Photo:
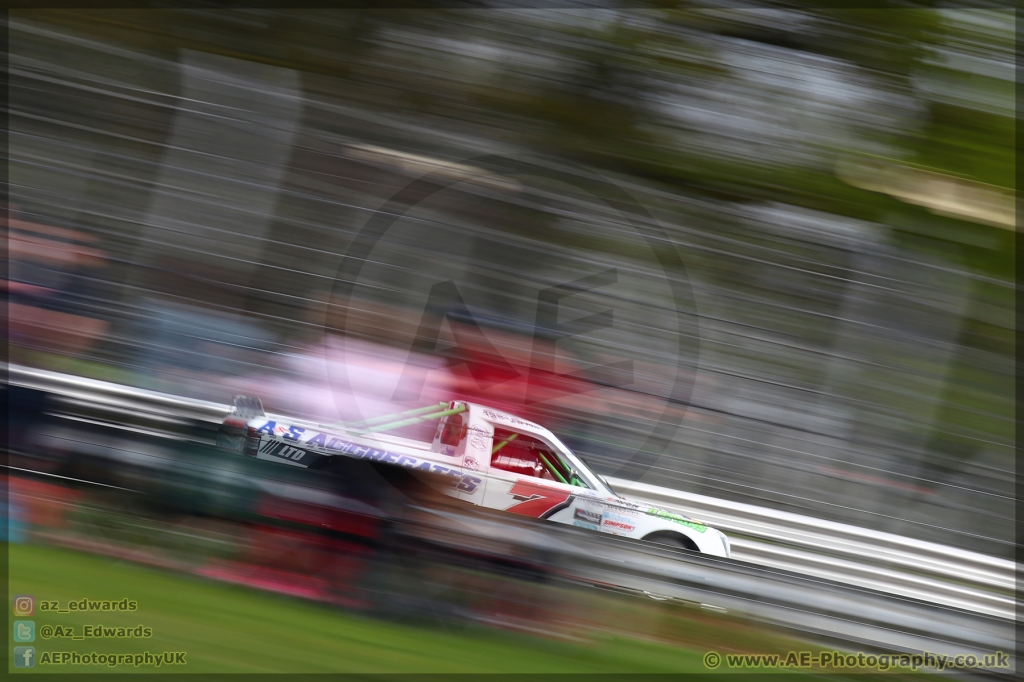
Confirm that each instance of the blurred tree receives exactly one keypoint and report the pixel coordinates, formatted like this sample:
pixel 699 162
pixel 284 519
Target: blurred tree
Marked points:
pixel 737 105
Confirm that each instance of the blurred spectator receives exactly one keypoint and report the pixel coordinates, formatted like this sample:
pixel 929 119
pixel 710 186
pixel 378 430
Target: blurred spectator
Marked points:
pixel 352 372
pixel 182 347
pixel 51 286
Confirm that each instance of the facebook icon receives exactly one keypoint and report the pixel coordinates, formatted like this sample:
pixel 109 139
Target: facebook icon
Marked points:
pixel 24 656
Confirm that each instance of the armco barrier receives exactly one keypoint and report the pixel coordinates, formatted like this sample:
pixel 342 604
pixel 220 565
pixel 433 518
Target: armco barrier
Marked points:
pixel 848 554
pixel 845 553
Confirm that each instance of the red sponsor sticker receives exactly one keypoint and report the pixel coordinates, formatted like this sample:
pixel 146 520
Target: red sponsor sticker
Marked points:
pixel 618 524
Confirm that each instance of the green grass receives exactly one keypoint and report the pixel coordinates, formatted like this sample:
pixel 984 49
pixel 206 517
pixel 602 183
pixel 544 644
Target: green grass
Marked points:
pixel 226 628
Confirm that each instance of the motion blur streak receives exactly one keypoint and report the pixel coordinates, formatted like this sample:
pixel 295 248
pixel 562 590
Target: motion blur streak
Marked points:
pixel 185 185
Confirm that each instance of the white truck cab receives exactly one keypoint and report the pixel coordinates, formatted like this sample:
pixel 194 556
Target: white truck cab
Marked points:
pixel 494 460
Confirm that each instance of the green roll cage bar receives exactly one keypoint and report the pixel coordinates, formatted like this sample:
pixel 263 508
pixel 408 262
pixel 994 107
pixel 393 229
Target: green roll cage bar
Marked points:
pixel 400 419
pixel 439 411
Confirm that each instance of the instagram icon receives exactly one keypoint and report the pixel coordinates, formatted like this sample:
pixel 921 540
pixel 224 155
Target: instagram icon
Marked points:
pixel 24 605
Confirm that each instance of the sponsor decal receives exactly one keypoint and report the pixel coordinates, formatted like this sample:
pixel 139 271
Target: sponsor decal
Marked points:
pixel 588 526
pixel 536 500
pixel 268 427
pixel 677 518
pixel 478 442
pixel 335 445
pixel 624 511
pixel 470 463
pixel 614 515
pixel 615 522
pixel 587 516
pixel 272 428
pixel 468 484
pixel 618 526
pixel 509 419
pixel 276 448
pixel 318 440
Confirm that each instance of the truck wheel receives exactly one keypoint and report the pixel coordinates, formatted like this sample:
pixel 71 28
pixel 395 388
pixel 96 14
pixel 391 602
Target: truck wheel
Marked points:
pixel 669 540
pixel 672 540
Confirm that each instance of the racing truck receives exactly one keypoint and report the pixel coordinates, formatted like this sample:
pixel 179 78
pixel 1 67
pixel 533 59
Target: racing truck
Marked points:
pixel 479 455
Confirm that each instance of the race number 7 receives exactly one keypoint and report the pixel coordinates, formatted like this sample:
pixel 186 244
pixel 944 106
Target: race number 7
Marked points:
pixel 538 501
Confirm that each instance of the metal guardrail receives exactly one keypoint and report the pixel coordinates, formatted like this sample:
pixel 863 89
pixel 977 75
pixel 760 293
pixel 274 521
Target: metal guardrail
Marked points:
pixel 117 397
pixel 849 554
pixel 773 539
pixel 829 612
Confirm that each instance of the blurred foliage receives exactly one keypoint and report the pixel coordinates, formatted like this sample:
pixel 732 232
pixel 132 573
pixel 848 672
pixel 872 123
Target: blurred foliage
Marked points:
pixel 583 86
pixel 226 628
pixel 593 102
pixel 730 108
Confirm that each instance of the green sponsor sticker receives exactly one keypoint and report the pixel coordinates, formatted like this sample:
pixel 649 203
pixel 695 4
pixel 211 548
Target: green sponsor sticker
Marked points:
pixel 676 518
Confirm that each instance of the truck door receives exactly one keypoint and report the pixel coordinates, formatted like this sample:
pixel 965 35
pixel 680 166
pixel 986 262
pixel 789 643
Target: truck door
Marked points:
pixel 528 477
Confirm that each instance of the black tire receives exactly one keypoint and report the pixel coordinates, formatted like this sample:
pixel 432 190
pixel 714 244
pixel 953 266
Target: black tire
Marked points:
pixel 674 540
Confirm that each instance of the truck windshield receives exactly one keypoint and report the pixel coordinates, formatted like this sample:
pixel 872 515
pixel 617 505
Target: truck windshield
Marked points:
pixel 585 470
pixel 523 454
pixel 590 472
pixel 606 484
